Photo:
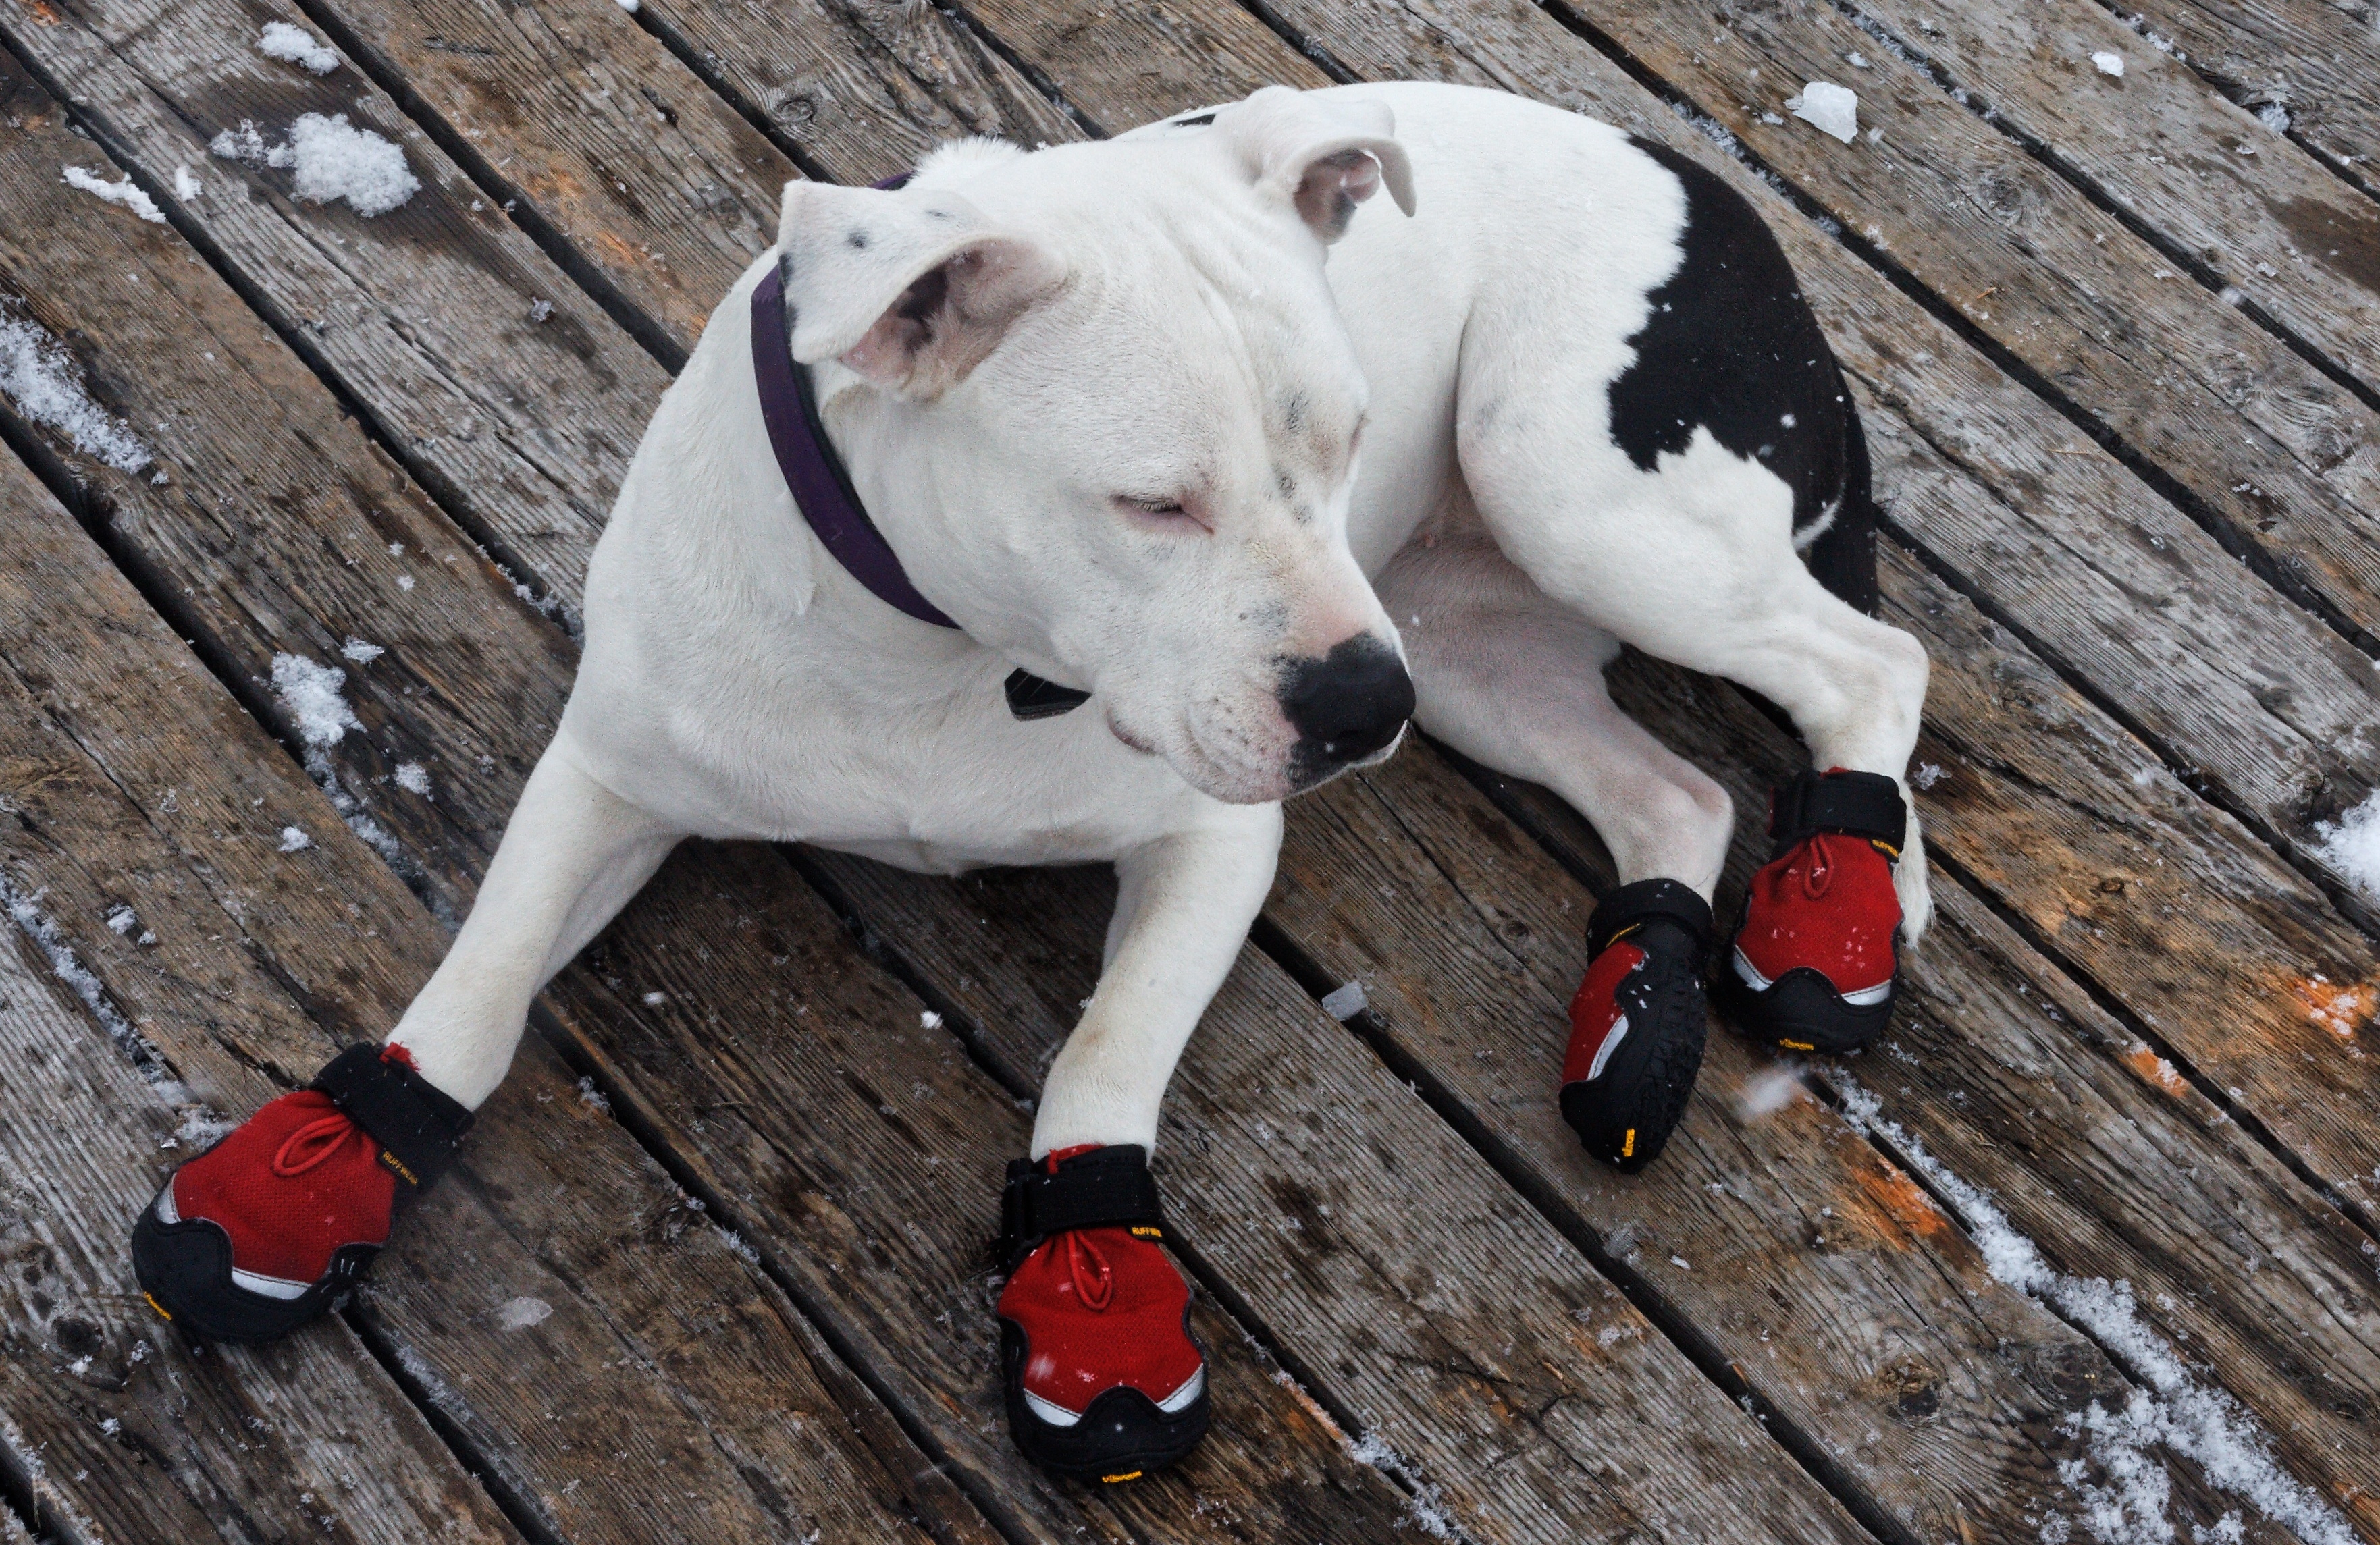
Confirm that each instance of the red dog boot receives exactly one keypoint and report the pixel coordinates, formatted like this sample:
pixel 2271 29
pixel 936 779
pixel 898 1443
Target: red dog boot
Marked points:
pixel 264 1230
pixel 1102 1380
pixel 1815 960
pixel 1636 1026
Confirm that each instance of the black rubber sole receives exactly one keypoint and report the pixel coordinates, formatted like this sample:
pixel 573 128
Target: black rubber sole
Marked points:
pixel 1122 1435
pixel 1801 1012
pixel 1625 1116
pixel 185 1268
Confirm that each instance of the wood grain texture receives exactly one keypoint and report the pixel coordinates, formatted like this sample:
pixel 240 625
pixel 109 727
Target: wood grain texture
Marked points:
pixel 2287 460
pixel 1919 1376
pixel 1467 1335
pixel 275 527
pixel 264 960
pixel 428 315
pixel 864 87
pixel 125 1429
pixel 2318 60
pixel 581 114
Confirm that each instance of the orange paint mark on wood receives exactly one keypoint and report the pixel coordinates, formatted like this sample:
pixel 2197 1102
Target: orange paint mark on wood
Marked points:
pixel 2341 1009
pixel 2143 1059
pixel 1904 1201
pixel 620 251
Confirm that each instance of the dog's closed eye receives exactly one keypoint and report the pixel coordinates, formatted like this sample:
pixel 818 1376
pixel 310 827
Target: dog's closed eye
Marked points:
pixel 1161 509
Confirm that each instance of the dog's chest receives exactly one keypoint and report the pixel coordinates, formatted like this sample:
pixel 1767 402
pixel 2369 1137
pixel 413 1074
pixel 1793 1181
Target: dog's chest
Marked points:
pixel 937 781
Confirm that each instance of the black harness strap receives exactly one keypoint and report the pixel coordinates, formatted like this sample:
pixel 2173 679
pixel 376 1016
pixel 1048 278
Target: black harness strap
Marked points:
pixel 418 1129
pixel 1853 803
pixel 1108 1188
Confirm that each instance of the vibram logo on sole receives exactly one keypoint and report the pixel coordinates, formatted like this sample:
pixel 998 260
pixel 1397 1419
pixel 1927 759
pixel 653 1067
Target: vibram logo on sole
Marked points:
pixel 1128 1475
pixel 1797 1045
pixel 163 1312
pixel 1628 1144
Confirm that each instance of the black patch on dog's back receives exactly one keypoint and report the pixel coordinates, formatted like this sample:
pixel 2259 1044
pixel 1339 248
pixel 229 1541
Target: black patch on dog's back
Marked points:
pixel 1731 346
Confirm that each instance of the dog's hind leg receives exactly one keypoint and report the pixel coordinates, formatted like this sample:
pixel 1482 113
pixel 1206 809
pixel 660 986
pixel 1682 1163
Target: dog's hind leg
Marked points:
pixel 1694 564
pixel 269 1227
pixel 1101 1376
pixel 1509 676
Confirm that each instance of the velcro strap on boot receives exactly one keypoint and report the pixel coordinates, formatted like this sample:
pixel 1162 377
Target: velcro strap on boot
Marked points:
pixel 1853 803
pixel 1108 1188
pixel 420 1129
pixel 1623 910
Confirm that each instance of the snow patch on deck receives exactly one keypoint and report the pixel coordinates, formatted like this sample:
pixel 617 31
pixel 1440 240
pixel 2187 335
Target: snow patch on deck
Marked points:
pixel 2177 1412
pixel 39 377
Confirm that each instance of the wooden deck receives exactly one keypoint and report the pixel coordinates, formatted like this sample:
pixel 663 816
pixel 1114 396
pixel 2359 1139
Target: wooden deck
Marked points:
pixel 714 1268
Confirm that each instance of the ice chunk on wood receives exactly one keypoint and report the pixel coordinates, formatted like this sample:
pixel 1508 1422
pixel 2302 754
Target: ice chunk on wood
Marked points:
pixel 1829 108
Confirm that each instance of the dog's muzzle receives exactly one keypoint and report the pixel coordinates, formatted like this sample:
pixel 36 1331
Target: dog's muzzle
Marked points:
pixel 1350 705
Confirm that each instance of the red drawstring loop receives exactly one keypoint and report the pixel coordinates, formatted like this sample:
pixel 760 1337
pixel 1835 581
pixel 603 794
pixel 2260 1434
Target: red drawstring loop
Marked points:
pixel 1096 1289
pixel 1819 875
pixel 317 1140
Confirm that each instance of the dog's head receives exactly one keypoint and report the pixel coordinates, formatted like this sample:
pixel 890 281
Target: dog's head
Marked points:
pixel 1101 400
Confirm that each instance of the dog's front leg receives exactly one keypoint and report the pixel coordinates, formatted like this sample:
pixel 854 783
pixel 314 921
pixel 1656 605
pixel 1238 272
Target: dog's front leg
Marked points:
pixel 572 856
pixel 267 1228
pixel 1184 904
pixel 1101 1377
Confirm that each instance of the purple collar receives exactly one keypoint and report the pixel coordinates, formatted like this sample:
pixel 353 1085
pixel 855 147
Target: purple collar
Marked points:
pixel 822 487
pixel 823 493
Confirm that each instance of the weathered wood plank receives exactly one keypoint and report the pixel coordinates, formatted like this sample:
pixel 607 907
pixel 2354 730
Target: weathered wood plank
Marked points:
pixel 127 1431
pixel 2318 60
pixel 2253 211
pixel 259 953
pixel 1469 942
pixel 1468 1336
pixel 2287 460
pixel 2140 1178
pixel 864 87
pixel 269 497
pixel 578 114
pixel 431 316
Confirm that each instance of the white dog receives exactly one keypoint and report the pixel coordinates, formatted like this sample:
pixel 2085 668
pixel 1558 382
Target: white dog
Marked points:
pixel 1119 429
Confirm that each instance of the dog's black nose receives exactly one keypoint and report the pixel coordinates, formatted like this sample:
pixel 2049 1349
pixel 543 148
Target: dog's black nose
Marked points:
pixel 1346 706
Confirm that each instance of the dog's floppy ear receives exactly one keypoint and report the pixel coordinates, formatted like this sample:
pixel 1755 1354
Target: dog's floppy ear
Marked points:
pixel 912 289
pixel 1322 155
